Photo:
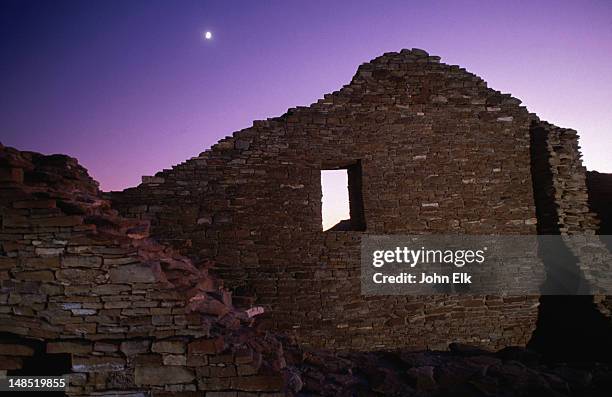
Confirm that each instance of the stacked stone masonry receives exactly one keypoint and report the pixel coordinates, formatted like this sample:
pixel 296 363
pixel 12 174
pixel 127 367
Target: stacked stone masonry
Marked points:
pixel 132 315
pixel 137 309
pixel 439 153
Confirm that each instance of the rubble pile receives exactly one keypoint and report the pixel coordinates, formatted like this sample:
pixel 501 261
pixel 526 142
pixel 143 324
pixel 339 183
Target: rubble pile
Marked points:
pixel 463 371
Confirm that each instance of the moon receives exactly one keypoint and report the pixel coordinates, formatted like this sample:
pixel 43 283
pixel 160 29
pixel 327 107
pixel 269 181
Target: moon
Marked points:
pixel 208 35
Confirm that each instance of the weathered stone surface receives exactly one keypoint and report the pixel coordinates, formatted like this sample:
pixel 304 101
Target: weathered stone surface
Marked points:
pixel 42 275
pixel 44 251
pixel 110 289
pixel 136 273
pixel 82 261
pixel 206 346
pixel 106 347
pixel 69 347
pixel 175 359
pixel 162 375
pixel 78 276
pixel 12 349
pixel 168 346
pixel 152 179
pixel 132 347
pixel 46 262
pixel 97 364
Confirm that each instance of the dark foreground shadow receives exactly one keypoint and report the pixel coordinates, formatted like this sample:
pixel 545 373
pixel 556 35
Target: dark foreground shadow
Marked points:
pixel 39 363
pixel 570 327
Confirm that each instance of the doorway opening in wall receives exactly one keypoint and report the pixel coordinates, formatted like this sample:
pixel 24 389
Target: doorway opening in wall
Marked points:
pixel 342 198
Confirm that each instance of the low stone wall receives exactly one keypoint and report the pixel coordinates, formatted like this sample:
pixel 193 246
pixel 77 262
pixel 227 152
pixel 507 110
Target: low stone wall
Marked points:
pixel 132 316
pixel 564 199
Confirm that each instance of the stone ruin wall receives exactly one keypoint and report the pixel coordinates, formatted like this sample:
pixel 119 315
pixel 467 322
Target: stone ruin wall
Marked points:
pixel 85 292
pixel 557 168
pixel 600 199
pixel 439 152
pixel 85 287
pixel 568 198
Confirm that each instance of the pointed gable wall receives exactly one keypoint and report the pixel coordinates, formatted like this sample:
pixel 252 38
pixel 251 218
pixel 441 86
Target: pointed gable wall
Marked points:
pixel 439 153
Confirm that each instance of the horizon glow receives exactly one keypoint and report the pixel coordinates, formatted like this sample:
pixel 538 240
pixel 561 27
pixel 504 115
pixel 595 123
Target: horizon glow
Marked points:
pixel 335 201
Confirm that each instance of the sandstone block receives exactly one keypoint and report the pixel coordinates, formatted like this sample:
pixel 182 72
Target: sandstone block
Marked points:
pixel 197 360
pixel 242 145
pixel 69 347
pixel 13 349
pixel 120 261
pixel 41 262
pixel 80 328
pixel 152 179
pixel 162 375
pixel 97 364
pixel 268 383
pixel 135 273
pixel 206 346
pixel 132 347
pixel 147 360
pixel 225 145
pixel 214 383
pixel 80 276
pixel 81 261
pixel 106 347
pixel 110 289
pixel 222 372
pixel 168 346
pixel 42 275
pixel 244 370
pixel 77 379
pixel 42 251
pixel 83 312
pixel 174 359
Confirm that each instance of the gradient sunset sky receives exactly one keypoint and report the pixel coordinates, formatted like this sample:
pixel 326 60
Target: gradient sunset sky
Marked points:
pixel 131 87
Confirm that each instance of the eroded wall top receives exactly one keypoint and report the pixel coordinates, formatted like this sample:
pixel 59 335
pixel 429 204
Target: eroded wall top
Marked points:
pixel 437 152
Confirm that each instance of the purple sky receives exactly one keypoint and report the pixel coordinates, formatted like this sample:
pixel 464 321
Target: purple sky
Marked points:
pixel 131 87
